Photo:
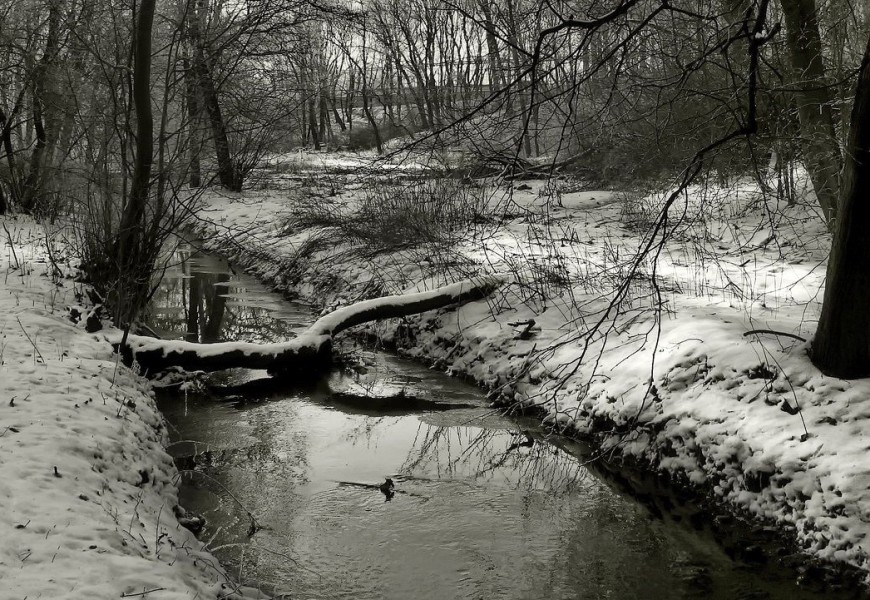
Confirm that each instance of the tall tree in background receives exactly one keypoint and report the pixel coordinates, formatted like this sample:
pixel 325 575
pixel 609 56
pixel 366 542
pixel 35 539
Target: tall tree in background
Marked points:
pixel 814 99
pixel 44 123
pixel 202 65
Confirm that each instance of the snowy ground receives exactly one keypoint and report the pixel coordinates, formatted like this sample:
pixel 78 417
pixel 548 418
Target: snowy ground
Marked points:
pixel 744 417
pixel 88 490
pixel 86 486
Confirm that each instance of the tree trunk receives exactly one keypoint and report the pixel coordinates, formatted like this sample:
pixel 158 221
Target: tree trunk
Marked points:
pixel 226 170
pixel 33 185
pixel 312 349
pixel 202 68
pixel 6 140
pixel 818 136
pixel 349 99
pixel 841 347
pixel 134 211
pixel 134 265
pixel 493 56
pixel 325 125
pixel 336 115
pixel 371 119
pixel 313 127
pixel 193 120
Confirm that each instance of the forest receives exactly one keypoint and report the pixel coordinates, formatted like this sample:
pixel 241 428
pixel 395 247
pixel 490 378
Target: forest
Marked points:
pixel 110 111
pixel 649 216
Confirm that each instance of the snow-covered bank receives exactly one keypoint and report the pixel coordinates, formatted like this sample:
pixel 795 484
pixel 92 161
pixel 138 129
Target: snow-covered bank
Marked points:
pixel 747 419
pixel 87 489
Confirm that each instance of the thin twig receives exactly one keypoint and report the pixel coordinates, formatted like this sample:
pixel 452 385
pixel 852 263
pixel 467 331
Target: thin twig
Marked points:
pixel 774 332
pixel 30 340
pixel 142 593
pixel 11 246
pixel 255 525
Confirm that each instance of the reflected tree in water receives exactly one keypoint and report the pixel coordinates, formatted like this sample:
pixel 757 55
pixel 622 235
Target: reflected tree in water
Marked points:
pixel 484 453
pixel 205 304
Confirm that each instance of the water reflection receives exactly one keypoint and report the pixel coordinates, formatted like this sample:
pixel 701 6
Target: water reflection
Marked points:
pixel 474 514
pixel 201 299
pixel 483 506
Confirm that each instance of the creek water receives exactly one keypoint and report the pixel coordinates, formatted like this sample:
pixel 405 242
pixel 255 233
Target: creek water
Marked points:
pixel 485 506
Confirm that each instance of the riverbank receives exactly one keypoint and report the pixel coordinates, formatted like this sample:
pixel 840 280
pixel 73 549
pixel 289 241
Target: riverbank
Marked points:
pixel 745 419
pixel 86 485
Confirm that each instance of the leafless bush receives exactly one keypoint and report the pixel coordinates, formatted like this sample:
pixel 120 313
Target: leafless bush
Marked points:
pixel 96 217
pixel 639 212
pixel 391 216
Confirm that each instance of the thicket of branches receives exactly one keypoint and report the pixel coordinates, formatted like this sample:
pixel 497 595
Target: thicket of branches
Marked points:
pixel 621 90
pixel 618 91
pixel 113 114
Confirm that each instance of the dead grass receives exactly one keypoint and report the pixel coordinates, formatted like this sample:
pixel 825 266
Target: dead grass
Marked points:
pixel 394 216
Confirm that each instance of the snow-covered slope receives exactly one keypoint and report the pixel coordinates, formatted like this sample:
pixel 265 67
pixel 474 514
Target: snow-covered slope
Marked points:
pixel 87 489
pixel 672 378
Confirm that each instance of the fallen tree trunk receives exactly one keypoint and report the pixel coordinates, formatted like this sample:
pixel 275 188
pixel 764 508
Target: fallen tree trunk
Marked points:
pixel 312 349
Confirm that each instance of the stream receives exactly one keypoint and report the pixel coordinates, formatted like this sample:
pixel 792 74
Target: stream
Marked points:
pixel 484 506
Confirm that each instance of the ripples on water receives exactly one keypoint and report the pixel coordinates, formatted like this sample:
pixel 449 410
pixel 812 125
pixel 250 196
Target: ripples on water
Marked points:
pixel 480 511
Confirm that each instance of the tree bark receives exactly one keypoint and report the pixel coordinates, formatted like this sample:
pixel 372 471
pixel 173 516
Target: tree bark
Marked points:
pixel 841 347
pixel 313 126
pixel 202 68
pixel 193 120
pixel 312 349
pixel 493 57
pixel 349 99
pixel 814 99
pixel 33 184
pixel 226 170
pixel 325 125
pixel 367 110
pixel 9 151
pixel 336 115
pixel 134 210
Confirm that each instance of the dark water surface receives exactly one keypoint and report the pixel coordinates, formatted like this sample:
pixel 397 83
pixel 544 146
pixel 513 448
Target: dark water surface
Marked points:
pixel 482 509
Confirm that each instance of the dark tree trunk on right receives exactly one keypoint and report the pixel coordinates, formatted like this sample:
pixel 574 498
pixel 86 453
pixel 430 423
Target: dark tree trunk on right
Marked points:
pixel 842 344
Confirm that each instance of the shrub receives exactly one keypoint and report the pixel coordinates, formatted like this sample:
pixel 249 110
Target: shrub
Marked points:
pixel 392 216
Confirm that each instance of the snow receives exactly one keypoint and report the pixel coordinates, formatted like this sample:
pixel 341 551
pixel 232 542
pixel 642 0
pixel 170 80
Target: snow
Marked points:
pixel 86 485
pixel 338 320
pixel 152 353
pixel 680 388
pixel 141 343
pixel 363 161
pixel 694 398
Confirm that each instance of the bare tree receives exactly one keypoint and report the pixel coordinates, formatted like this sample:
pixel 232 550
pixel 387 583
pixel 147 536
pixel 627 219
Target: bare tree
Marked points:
pixel 814 102
pixel 842 343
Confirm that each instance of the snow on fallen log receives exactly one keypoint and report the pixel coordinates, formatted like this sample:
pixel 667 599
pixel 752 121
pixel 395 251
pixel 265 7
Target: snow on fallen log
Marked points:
pixel 312 349
pixel 154 355
pixel 401 305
